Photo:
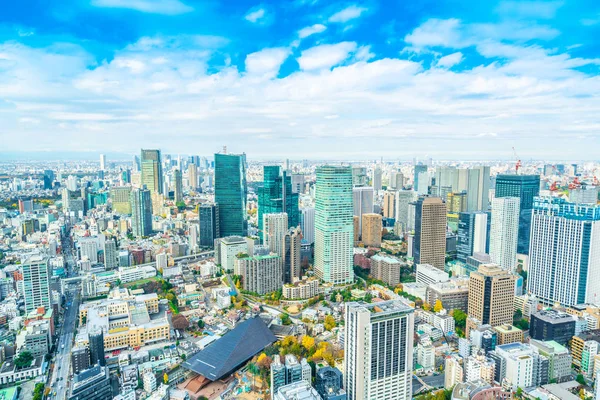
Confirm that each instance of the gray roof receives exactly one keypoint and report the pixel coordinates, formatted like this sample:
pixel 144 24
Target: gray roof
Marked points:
pixel 235 348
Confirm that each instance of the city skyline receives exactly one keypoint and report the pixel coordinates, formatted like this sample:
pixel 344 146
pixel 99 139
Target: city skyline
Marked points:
pixel 438 80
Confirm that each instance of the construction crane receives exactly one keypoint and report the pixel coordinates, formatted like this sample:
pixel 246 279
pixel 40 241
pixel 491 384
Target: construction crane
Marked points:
pixel 518 160
pixel 554 187
pixel 575 184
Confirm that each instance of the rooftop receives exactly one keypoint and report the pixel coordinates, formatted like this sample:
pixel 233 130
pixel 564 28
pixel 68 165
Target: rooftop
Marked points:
pixel 554 316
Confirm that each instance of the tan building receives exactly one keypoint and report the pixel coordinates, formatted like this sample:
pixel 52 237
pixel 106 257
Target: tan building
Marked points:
pixel 491 295
pixel 509 334
pixel 356 231
pixel 386 269
pixel 456 202
pixel 429 244
pixel 292 263
pixel 389 204
pixel 304 289
pixel 120 198
pixel 372 225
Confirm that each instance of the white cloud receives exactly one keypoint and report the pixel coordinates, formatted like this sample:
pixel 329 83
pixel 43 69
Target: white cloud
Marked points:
pixel 347 14
pixel 436 32
pixel 167 7
pixel 325 56
pixel 450 60
pixel 311 30
pixel 256 15
pixel 266 62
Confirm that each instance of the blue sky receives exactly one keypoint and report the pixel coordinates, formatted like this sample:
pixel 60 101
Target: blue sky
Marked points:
pixel 303 78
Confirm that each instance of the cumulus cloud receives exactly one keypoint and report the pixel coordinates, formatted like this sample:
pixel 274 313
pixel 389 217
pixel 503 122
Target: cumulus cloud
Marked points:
pixel 450 60
pixel 347 14
pixel 166 7
pixel 325 56
pixel 266 63
pixel 311 30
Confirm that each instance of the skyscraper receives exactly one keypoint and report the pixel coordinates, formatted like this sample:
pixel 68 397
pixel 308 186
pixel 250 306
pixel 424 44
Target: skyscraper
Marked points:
pixel 209 224
pixel 478 188
pixel 292 267
pixel 363 202
pixel 377 178
pixel 525 187
pixel 334 228
pixel 152 173
pixel 563 261
pixel 504 231
pixel 372 227
pixel 231 193
pixel 275 195
pixel 36 283
pixel 193 176
pixel 141 212
pixel 307 224
pixel 429 244
pixel 378 349
pixel 389 204
pixel 418 169
pixel 403 199
pixel 111 256
pixel 491 295
pixel 472 234
pixel 102 162
pixel 275 228
pixel 48 178
pixel 178 186
pixel 121 199
pixel 96 343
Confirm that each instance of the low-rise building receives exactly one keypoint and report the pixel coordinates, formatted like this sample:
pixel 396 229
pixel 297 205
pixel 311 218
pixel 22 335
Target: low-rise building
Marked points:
pixel 304 289
pixel 508 334
pixel 386 269
pixel 454 294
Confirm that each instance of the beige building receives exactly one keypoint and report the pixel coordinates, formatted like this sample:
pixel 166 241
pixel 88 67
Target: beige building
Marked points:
pixel 491 295
pixel 429 244
pixel 356 230
pixel 372 225
pixel 509 334
pixel 304 289
pixel 386 269
pixel 389 204
pixel 119 196
pixel 292 262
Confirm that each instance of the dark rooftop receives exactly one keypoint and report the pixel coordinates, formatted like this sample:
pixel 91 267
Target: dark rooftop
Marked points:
pixel 235 348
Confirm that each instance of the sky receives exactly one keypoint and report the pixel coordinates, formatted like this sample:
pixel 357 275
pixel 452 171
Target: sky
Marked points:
pixel 316 79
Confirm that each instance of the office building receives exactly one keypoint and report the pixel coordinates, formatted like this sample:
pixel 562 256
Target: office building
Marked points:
pixel 193 176
pixel 334 224
pixel 525 187
pixel 307 224
pixel 329 382
pixel 96 347
pixel 296 391
pixel 377 174
pixel 152 172
pixel 290 372
pixel 275 227
pixel 419 168
pixel 80 359
pixel 472 234
pixel 141 213
pixel 552 325
pixel 121 199
pixel 584 195
pixel 429 245
pixel 276 196
pixel 230 193
pixel 91 384
pixel 292 270
pixel 378 349
pixel 506 333
pixel 227 248
pixel 389 204
pixel 429 275
pixel 372 226
pixel 297 183
pixel 491 295
pixel 396 180
pixel 36 283
pixel 386 269
pixel 563 262
pixel 477 187
pixel 362 202
pixel 402 214
pixel 504 231
pixel 177 186
pixel 261 274
pixel 520 365
pixel 359 176
pixel 111 257
pixel 209 224
pixel 559 366
pixel 48 179
pixel 454 294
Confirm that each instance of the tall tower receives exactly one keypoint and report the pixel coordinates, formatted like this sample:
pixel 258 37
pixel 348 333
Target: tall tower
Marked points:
pixel 525 187
pixel 209 224
pixel 418 169
pixel 429 245
pixel 96 343
pixel 472 234
pixel 378 349
pixel 504 232
pixel 152 173
pixel 178 192
pixel 275 227
pixel 307 223
pixel 193 176
pixel 102 162
pixel 372 227
pixel 111 257
pixel 36 283
pixel 363 202
pixel 491 295
pixel 334 229
pixel 141 212
pixel 292 267
pixel 231 193
pixel 276 195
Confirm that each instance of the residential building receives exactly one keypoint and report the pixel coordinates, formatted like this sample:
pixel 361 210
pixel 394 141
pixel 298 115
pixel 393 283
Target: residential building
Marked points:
pixel 578 344
pixel 304 289
pixel 149 381
pixel 307 224
pixel 275 227
pixel 295 391
pixel 504 232
pixel 378 350
pixel 209 224
pixel 177 186
pixel 491 295
pixel 111 257
pixel 36 283
pixel 260 274
pixel 80 359
pixel 292 268
pixel 230 193
pixel 334 224
pixel 386 269
pixel 141 212
pixel 193 176
pixel 559 367
pixel 372 226
pixel 389 204
pixel 91 384
pixel 429 245
pixel 453 371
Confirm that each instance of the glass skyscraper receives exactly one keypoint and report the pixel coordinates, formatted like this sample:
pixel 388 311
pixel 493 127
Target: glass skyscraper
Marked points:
pixel 418 169
pixel 209 224
pixel 141 212
pixel 334 224
pixel 275 196
pixel 152 174
pixel 230 193
pixel 525 187
pixel 472 234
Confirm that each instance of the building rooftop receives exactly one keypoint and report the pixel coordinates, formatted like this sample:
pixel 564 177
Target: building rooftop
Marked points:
pixel 233 240
pixel 384 258
pixel 554 316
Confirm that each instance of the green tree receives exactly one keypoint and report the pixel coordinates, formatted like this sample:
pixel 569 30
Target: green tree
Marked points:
pixel 460 318
pixel 580 379
pixel 517 315
pixel 329 322
pixel 24 359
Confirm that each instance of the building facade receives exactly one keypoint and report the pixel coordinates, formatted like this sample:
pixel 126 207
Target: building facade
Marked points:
pixel 230 193
pixel 429 244
pixel 504 232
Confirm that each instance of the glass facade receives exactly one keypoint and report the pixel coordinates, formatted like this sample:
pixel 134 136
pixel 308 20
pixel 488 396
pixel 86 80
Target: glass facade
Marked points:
pixel 152 174
pixel 275 196
pixel 230 193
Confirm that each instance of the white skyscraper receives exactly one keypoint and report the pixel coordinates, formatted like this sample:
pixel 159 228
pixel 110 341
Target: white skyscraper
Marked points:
pixel 504 232
pixel 103 162
pixel 307 224
pixel 275 226
pixel 377 173
pixel 403 198
pixel 363 202
pixel 564 252
pixel 378 348
pixel 111 257
pixel 423 185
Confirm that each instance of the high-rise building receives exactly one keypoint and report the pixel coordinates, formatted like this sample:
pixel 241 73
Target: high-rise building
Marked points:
pixel 91 384
pixel 334 224
pixel 102 162
pixel 362 202
pixel 377 178
pixel 359 176
pixel 525 187
pixel 378 349
pixel 96 346
pixel 111 256
pixel 80 359
pixel 297 183
pixel 372 227
pixel 141 212
pixel 329 382
pixel 292 268
pixel 275 227
pixel 178 185
pixel 152 172
pixel 307 224
pixel 121 199
pixel 472 234
pixel 209 224
pixel 261 274
pixel 491 295
pixel 504 232
pixel 36 283
pixel 230 193
pixel 429 245
pixel 403 199
pixel 396 180
pixel 419 168
pixel 48 179
pixel 389 204
pixel 193 176
pixel 275 195
pixel 563 262
pixel 552 325
pixel 478 188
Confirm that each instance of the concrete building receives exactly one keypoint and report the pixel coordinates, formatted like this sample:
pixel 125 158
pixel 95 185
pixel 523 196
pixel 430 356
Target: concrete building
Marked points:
pixel 120 199
pixel 304 289
pixel 208 214
pixel 80 359
pixel 307 224
pixel 362 202
pixel 520 365
pixel 454 294
pixel 553 325
pixel 292 268
pixel 504 232
pixel 559 367
pixel 372 226
pixel 508 334
pixel 226 250
pixel 261 274
pixel 389 204
pixel 402 214
pixel 386 269
pixel 36 283
pixel 453 371
pixel 91 384
pixel 429 275
pixel 491 295
pixel 429 245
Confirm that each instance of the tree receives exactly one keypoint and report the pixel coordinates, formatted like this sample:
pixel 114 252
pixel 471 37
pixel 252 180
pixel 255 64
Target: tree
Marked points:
pixel 24 359
pixel 180 322
pixel 517 316
pixel 438 306
pixel 285 319
pixel 165 378
pixel 200 324
pixel 330 322
pixel 308 342
pixel 426 306
pixel 460 318
pixel 580 379
pixel 288 341
pixel 368 297
pixel 180 205
pixel 264 361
